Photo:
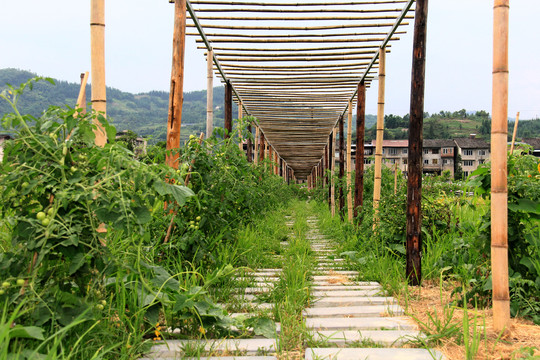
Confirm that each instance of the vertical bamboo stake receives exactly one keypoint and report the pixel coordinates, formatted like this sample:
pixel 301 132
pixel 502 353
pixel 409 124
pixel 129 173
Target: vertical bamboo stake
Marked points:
pixel 331 156
pixel 176 96
pixel 499 190
pixel 261 147
pixel 275 162
pixel 380 135
pixel 228 110
pixel 333 171
pixel 240 116
pixel 81 99
pixel 97 40
pixel 359 165
pixel 341 167
pixel 514 134
pixel 414 178
pixel 325 167
pixel 257 145
pixel 209 93
pixel 349 164
pixel 270 157
pixel 395 178
pixel 249 144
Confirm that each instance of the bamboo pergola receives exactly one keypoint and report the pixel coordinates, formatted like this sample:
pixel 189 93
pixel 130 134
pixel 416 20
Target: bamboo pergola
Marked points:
pixel 296 66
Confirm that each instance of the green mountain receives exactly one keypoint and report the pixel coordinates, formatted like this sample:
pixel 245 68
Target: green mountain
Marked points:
pixel 146 113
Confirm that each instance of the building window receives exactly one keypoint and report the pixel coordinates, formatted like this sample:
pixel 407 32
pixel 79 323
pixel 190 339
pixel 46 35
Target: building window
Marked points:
pixel 435 161
pixel 367 151
pixel 426 162
pixel 482 152
pixel 426 151
pixel 435 151
pixel 367 161
pixel 445 162
pixel 468 162
pixel 392 151
pixel 481 161
pixel 466 173
pixel 405 151
pixel 404 161
pixel 467 152
pixel 447 151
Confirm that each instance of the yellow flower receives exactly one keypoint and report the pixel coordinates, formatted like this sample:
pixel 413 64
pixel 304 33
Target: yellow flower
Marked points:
pixel 539 167
pixel 202 330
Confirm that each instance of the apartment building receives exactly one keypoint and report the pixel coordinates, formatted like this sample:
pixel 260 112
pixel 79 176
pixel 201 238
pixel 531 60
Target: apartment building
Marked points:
pixel 473 152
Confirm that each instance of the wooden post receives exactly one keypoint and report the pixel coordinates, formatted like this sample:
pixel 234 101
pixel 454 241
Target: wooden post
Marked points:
pixel 359 165
pixel 332 180
pixel 249 144
pixel 270 157
pixel 275 162
pixel 414 179
pixel 176 96
pixel 341 166
pixel 261 148
pixel 209 93
pixel 331 156
pixel 240 116
pixel 499 190
pixel 514 134
pixel 81 99
pixel 97 56
pixel 349 164
pixel 325 167
pixel 228 110
pixel 395 178
pixel 257 145
pixel 380 135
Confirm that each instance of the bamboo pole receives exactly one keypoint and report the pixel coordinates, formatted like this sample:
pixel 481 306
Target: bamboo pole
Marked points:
pixel 395 178
pixel 240 116
pixel 261 147
pixel 99 91
pixel 257 145
pixel 249 152
pixel 514 134
pixel 332 180
pixel 325 167
pixel 349 164
pixel 380 135
pixel 81 99
pixel 176 96
pixel 355 25
pixel 341 166
pixel 275 162
pixel 414 170
pixel 209 94
pixel 499 190
pixel 331 156
pixel 237 3
pixel 228 110
pixel 359 165
pixel 271 158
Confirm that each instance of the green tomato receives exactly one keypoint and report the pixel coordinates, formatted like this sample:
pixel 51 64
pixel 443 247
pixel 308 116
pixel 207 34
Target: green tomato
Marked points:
pixel 73 169
pixel 2 292
pixel 41 216
pixel 50 212
pixel 198 218
pixel 64 150
pixel 99 307
pixel 196 227
pixel 5 284
pixel 24 185
pixel 20 282
pixel 45 222
pixel 103 302
pixel 192 222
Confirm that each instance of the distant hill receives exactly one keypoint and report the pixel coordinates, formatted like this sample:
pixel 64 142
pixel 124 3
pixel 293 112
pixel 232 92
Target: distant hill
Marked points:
pixel 146 113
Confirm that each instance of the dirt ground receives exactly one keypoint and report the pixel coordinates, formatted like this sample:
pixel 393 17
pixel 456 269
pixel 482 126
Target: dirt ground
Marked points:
pixel 517 343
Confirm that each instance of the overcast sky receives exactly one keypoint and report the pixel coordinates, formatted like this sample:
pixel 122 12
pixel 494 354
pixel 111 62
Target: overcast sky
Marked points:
pixel 52 38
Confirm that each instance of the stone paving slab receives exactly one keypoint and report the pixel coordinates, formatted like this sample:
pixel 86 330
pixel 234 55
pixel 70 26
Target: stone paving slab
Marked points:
pixel 353 301
pixel 325 278
pixel 367 323
pixel 259 279
pixel 330 287
pixel 215 358
pixel 173 348
pixel 344 272
pixel 354 311
pixel 372 354
pixel 344 293
pixel 380 337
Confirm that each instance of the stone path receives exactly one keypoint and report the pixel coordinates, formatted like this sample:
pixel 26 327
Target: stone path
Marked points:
pixel 354 320
pixel 346 320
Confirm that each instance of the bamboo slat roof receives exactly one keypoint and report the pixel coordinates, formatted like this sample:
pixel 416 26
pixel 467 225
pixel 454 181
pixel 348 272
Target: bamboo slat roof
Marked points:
pixel 294 65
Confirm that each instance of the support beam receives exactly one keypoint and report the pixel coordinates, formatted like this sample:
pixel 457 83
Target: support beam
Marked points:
pixel 176 97
pixel 261 147
pixel 209 94
pixel 379 139
pixel 325 167
pixel 414 179
pixel 97 58
pixel 228 110
pixel 257 145
pixel 331 156
pixel 359 165
pixel 240 116
pixel 333 183
pixel 499 185
pixel 341 166
pixel 349 164
pixel 249 152
pixel 271 158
